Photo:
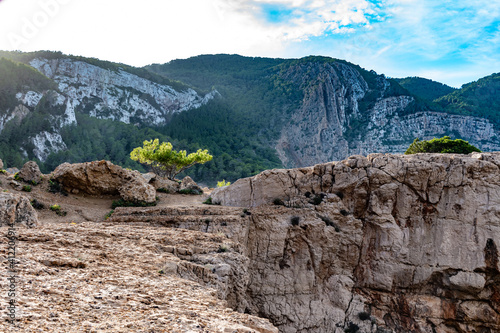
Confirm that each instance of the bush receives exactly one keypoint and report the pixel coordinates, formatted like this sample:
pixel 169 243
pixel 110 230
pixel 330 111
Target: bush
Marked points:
pixel 190 191
pixel 295 220
pixel 3 171
pixel 58 210
pixel 123 203
pixel 165 161
pixel 278 202
pixel 27 188
pixel 444 145
pixel 163 190
pixel 55 187
pixel 209 201
pixel 223 183
pixel 317 199
pixel 37 204
pixel 329 223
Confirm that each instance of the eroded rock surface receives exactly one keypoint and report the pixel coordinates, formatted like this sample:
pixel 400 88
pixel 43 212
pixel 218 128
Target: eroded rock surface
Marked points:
pixel 384 242
pixel 16 210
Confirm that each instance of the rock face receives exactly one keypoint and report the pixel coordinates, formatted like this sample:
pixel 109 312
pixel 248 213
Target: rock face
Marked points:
pixel 30 172
pixel 340 115
pixel 16 210
pixel 104 178
pixel 384 243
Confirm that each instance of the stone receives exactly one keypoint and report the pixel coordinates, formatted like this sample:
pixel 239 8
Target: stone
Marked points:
pixel 30 173
pixel 104 178
pixel 136 190
pixel 171 186
pixel 188 184
pixel 149 177
pixel 16 210
pixel 15 185
pixel 1 164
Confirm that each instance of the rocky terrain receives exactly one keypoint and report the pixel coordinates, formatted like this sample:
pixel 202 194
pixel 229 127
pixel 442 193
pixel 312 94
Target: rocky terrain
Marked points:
pixel 384 243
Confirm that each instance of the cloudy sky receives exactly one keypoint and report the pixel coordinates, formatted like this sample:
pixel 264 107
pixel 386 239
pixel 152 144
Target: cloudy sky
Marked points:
pixel 453 42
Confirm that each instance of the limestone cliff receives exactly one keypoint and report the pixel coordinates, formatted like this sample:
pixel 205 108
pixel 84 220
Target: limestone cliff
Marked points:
pixel 347 111
pixel 384 243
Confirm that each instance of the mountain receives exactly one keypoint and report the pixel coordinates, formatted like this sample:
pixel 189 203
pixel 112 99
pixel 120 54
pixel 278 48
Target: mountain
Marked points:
pixel 425 88
pixel 251 113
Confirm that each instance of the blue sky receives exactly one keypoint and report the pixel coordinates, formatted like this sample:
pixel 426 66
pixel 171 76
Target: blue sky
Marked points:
pixel 453 42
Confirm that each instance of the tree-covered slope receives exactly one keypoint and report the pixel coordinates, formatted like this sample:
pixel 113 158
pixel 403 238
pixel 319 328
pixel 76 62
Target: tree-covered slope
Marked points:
pixel 425 88
pixel 480 98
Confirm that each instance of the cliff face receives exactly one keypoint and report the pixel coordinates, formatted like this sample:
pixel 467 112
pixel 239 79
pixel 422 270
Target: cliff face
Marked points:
pixel 117 95
pixel 385 243
pixel 342 115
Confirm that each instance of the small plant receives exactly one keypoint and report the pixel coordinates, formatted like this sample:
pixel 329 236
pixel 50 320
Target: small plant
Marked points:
pixel 27 188
pixel 34 183
pixel 190 191
pixel 295 220
pixel 223 183
pixel 317 199
pixel 246 211
pixel 329 222
pixel 123 203
pixel 209 201
pixel 278 202
pixel 161 272
pixel 163 190
pixel 364 316
pixel 17 177
pixel 3 171
pixel 307 194
pixel 37 204
pixel 108 215
pixel 222 249
pixel 351 328
pixel 58 210
pixel 55 187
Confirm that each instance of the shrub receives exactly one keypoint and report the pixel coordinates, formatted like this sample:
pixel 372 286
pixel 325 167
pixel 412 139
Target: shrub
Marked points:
pixel 209 201
pixel 223 183
pixel 165 161
pixel 108 215
pixel 58 210
pixel 364 316
pixel 444 145
pixel 295 220
pixel 329 223
pixel 3 171
pixel 190 191
pixel 123 203
pixel 163 190
pixel 55 187
pixel 27 188
pixel 37 204
pixel 317 199
pixel 222 249
pixel 278 202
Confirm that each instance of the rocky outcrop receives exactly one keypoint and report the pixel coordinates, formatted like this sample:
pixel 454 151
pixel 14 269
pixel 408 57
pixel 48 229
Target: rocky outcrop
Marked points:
pixel 189 185
pixel 384 243
pixel 104 178
pixel 30 173
pixel 16 210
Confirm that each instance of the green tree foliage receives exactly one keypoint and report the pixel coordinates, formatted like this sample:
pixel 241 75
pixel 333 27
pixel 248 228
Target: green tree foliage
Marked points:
pixel 165 161
pixel 425 88
pixel 442 145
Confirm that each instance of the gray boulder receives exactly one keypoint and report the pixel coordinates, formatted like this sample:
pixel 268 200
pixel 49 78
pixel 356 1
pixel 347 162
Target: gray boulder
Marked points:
pixel 30 173
pixel 16 210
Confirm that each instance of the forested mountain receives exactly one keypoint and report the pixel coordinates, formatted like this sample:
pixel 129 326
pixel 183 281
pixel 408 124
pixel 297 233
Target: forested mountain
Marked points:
pixel 250 113
pixel 425 88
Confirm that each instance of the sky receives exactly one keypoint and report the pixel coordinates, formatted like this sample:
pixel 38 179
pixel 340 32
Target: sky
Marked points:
pixel 454 42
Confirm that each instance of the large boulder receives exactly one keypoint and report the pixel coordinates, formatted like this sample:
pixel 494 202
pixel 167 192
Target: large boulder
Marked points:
pixel 30 172
pixel 170 186
pixel 189 185
pixel 137 190
pixel 103 178
pixel 16 210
